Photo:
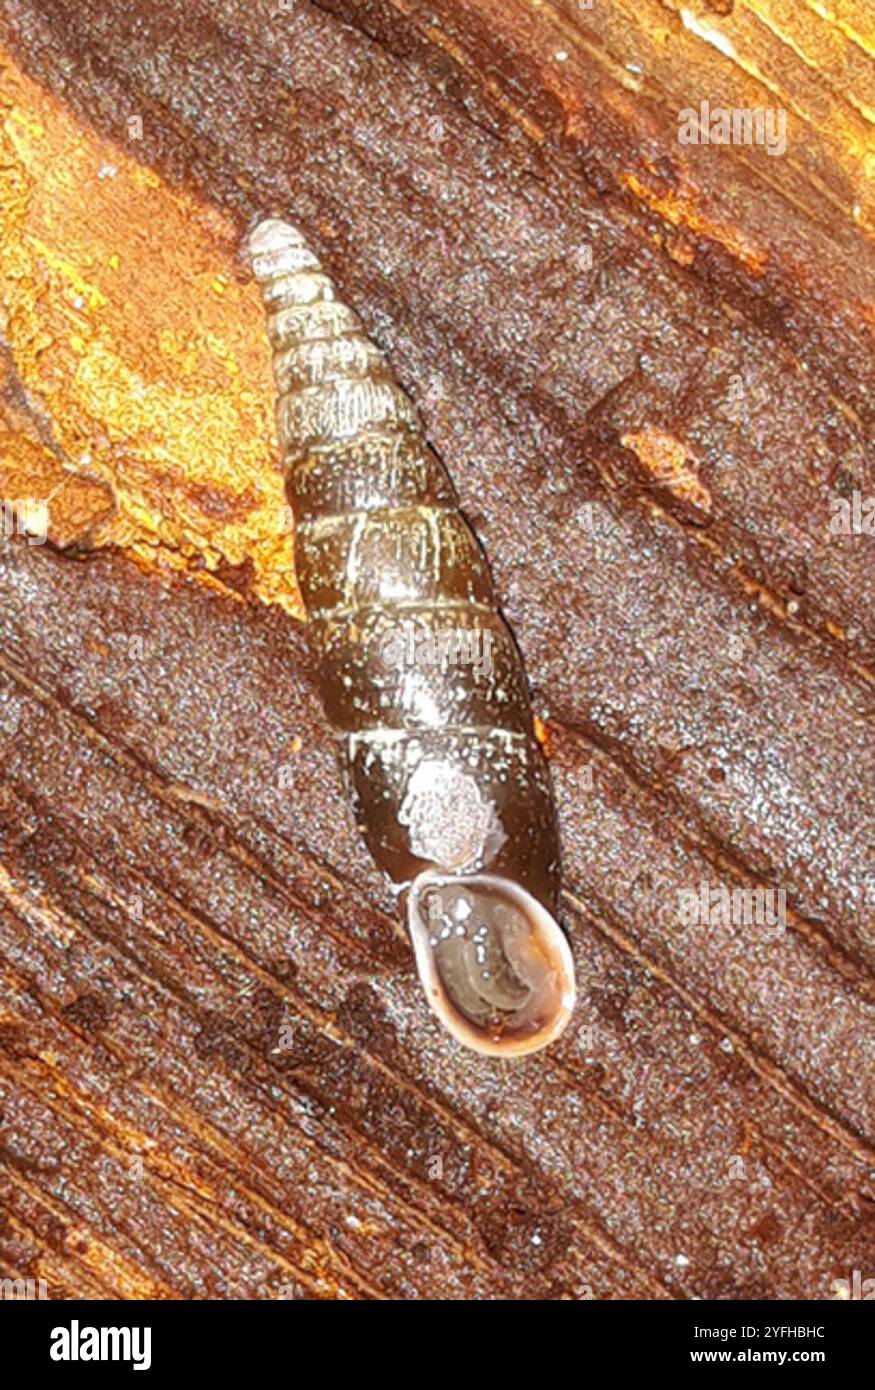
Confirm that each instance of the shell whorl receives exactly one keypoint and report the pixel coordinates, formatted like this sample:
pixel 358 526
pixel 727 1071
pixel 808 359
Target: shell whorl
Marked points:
pixel 379 542
pixel 441 759
pixel 332 382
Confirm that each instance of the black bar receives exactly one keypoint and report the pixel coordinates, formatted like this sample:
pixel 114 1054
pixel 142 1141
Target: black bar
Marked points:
pixel 274 1337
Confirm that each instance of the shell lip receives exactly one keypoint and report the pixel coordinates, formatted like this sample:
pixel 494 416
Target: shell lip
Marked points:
pixel 462 1029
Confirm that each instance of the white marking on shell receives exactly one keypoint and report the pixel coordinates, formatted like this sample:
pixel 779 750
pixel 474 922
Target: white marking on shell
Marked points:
pixel 283 291
pixel 340 410
pixel 451 823
pixel 271 234
pixel 284 261
pixel 310 362
pixel 351 575
pixel 284 265
pixel 323 320
pixel 435 528
pixel 505 749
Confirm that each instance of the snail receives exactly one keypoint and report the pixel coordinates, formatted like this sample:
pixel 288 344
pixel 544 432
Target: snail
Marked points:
pixel 420 677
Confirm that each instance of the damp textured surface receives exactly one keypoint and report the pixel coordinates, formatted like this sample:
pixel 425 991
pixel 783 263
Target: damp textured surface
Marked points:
pixel 215 1077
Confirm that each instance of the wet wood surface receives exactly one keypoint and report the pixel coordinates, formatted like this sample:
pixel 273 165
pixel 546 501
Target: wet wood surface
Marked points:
pixel 649 369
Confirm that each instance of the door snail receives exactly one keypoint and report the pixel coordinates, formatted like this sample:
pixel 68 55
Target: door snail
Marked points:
pixel 419 674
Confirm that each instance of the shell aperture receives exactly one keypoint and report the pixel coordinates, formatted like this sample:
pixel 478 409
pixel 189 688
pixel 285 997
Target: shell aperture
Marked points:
pixel 494 963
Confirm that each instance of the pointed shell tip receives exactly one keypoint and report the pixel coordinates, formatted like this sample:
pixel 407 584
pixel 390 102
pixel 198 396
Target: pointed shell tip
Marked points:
pixel 273 234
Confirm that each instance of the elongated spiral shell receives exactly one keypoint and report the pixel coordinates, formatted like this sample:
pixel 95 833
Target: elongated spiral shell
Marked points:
pixel 419 674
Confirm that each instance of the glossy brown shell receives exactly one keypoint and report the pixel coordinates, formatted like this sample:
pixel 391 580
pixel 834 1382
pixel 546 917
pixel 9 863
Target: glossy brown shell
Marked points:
pixel 440 759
